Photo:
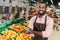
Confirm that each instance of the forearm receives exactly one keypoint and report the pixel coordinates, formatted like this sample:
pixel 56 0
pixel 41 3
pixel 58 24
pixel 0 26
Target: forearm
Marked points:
pixel 37 33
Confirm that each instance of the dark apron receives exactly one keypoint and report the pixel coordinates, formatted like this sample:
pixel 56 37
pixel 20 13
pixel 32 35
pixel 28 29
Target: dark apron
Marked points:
pixel 39 27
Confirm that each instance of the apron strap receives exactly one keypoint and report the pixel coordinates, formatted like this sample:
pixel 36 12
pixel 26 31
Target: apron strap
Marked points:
pixel 35 19
pixel 45 19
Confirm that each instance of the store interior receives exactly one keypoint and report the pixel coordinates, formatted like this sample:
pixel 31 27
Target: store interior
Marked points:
pixel 11 10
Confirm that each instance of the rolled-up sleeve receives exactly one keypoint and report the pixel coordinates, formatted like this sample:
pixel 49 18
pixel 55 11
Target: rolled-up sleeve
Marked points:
pixel 49 28
pixel 31 25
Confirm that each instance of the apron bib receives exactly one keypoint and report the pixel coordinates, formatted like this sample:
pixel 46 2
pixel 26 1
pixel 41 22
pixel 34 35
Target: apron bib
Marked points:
pixel 39 27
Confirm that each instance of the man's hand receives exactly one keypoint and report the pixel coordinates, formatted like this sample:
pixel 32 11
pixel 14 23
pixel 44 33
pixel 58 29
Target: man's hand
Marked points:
pixel 35 32
pixel 29 31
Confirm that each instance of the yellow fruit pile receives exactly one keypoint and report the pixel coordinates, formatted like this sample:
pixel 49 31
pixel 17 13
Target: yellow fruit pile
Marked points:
pixel 2 37
pixel 23 36
pixel 9 34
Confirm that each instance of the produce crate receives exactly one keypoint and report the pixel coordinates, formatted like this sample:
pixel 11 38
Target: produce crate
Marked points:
pixel 8 32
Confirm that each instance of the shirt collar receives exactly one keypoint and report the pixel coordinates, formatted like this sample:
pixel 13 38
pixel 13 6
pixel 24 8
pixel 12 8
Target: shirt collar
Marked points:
pixel 44 16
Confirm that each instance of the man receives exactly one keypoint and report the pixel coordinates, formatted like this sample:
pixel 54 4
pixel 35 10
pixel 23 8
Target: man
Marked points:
pixel 41 25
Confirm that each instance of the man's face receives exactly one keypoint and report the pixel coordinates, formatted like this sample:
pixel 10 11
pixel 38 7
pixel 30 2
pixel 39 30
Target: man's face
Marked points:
pixel 42 9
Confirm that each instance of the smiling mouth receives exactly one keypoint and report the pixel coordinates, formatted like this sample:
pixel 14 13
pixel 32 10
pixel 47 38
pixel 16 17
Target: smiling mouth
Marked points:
pixel 40 11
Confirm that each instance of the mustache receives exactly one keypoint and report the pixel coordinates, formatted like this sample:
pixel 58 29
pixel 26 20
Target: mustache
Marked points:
pixel 40 11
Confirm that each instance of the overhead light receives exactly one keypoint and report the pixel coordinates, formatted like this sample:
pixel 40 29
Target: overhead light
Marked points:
pixel 59 3
pixel 26 1
pixel 34 1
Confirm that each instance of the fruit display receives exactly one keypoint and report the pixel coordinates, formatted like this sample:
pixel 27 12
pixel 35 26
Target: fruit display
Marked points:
pixel 19 28
pixel 8 23
pixel 9 34
pixel 23 36
pixel 14 30
pixel 2 37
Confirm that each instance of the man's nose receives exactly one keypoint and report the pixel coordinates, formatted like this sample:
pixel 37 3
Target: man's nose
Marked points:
pixel 40 9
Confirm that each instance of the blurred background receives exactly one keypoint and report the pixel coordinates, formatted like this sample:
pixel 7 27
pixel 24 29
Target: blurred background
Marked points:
pixel 8 7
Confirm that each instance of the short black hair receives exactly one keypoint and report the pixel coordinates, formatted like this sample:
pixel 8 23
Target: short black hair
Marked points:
pixel 44 3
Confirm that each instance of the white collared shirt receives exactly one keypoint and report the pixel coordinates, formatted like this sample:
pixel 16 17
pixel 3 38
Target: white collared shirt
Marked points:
pixel 49 25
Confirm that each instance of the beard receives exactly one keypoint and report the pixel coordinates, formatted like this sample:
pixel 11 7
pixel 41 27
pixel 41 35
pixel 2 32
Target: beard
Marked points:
pixel 41 13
